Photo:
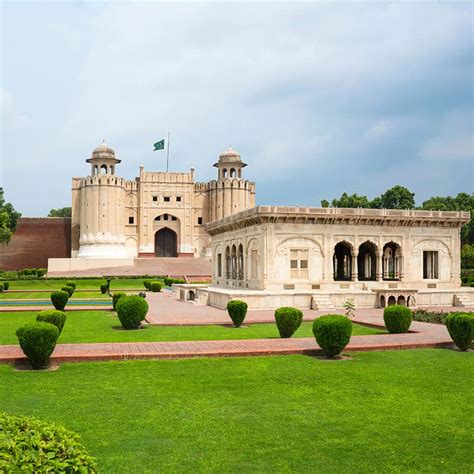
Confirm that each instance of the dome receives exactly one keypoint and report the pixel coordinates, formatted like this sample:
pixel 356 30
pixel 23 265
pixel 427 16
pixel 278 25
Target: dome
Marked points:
pixel 103 151
pixel 230 156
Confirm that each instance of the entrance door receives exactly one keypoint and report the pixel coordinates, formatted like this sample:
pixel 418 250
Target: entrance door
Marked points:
pixel 165 243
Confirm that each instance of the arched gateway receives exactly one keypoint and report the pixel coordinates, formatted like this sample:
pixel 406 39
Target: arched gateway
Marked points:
pixel 166 243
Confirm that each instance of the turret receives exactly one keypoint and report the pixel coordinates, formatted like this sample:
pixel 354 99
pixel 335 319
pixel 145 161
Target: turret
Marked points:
pixel 103 160
pixel 229 165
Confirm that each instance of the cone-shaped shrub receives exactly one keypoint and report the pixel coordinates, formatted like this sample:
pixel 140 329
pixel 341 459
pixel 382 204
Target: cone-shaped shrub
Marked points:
pixel 59 299
pixel 52 316
pixel 72 284
pixel 237 311
pixel 115 299
pixel 104 288
pixel 155 286
pixel 146 284
pixel 333 333
pixel 68 289
pixel 461 329
pixel 397 319
pixel 38 340
pixel 2 286
pixel 131 311
pixel 288 320
pixel 6 285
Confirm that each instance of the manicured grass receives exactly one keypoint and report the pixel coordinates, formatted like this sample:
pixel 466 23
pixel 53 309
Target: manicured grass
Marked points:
pixel 394 411
pixel 104 326
pixel 92 283
pixel 12 295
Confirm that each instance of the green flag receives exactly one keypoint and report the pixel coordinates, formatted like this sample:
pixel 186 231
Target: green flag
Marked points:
pixel 159 145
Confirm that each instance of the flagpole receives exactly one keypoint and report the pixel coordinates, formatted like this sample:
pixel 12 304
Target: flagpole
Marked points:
pixel 168 152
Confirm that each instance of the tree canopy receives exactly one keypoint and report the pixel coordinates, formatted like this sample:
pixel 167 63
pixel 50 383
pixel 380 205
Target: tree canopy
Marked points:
pixel 8 219
pixel 60 212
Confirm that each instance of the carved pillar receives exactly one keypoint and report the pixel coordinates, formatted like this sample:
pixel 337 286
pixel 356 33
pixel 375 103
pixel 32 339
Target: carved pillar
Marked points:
pixel 378 270
pixel 354 275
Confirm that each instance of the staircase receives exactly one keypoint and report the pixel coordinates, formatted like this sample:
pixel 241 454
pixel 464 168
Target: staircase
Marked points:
pixel 464 299
pixel 321 302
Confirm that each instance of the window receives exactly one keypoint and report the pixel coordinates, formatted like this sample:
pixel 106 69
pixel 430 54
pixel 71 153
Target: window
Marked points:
pixel 199 220
pixel 165 217
pixel 167 199
pixel 155 198
pixel 299 264
pixel 173 218
pixel 430 265
pixel 131 220
pixel 178 198
pixel 219 264
pixel 254 264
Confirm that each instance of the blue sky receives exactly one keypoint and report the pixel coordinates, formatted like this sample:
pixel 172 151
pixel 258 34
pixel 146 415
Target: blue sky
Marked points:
pixel 318 98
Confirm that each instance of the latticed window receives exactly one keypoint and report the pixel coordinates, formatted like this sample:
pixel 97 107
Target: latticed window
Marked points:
pixel 299 264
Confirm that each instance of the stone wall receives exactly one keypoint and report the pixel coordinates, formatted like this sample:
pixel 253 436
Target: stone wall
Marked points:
pixel 35 240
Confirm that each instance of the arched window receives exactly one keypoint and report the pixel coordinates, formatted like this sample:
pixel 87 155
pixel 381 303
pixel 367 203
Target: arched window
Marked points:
pixel 342 261
pixel 228 267
pixel 224 173
pixel 240 262
pixel 232 173
pixel 96 170
pixel 103 169
pixel 391 261
pixel 367 261
pixel 233 257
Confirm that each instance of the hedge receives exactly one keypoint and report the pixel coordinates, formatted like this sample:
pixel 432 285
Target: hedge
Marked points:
pixel 2 287
pixel 237 311
pixel 146 284
pixel 131 311
pixel 6 285
pixel 72 284
pixel 38 340
pixel 68 289
pixel 115 299
pixel 31 445
pixel 170 281
pixel 397 319
pixel 288 320
pixel 333 333
pixel 52 316
pixel 59 299
pixel 461 329
pixel 155 286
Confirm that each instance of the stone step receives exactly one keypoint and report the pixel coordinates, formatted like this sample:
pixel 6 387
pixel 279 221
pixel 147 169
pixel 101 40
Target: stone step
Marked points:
pixel 464 299
pixel 321 302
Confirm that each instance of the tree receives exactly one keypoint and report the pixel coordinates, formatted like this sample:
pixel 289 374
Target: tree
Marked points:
pixel 347 200
pixel 8 219
pixel 467 256
pixel 397 197
pixel 61 212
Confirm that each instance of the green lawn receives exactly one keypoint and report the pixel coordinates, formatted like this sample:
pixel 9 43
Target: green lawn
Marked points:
pixel 393 411
pixel 104 326
pixel 12 295
pixel 92 283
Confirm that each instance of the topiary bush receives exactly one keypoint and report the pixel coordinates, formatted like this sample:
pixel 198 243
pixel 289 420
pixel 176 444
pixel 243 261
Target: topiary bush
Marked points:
pixel 116 297
pixel 461 329
pixel 104 288
pixel 32 445
pixel 38 340
pixel 131 311
pixel 68 289
pixel 333 333
pixel 72 284
pixel 155 286
pixel 397 319
pixel 6 285
pixel 59 299
pixel 288 320
pixel 168 281
pixel 2 287
pixel 237 311
pixel 146 284
pixel 52 316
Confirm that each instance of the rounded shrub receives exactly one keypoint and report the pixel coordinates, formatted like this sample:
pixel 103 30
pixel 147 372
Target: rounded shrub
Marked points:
pixel 104 288
pixel 155 286
pixel 168 281
pixel 2 286
pixel 6 285
pixel 68 289
pixel 33 445
pixel 116 297
pixel 72 284
pixel 59 299
pixel 461 329
pixel 38 340
pixel 288 320
pixel 237 311
pixel 146 284
pixel 397 319
pixel 52 316
pixel 131 311
pixel 333 333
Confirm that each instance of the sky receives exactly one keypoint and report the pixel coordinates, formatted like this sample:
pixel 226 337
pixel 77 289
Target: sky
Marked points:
pixel 318 98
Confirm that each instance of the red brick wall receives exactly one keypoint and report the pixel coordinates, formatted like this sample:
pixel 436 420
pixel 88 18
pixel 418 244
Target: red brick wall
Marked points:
pixel 36 239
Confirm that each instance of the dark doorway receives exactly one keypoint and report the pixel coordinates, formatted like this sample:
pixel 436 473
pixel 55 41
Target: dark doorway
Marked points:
pixel 366 261
pixel 342 262
pixel 165 243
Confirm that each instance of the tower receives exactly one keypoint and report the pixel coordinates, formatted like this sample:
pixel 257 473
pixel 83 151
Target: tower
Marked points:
pixel 101 201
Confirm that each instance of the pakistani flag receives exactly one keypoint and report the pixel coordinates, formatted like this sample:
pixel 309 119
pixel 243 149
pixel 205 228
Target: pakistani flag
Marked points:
pixel 159 145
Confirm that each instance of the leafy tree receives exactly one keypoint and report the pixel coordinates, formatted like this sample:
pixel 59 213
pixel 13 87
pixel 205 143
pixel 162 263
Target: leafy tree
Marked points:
pixel 397 197
pixel 8 219
pixel 61 212
pixel 467 256
pixel 347 200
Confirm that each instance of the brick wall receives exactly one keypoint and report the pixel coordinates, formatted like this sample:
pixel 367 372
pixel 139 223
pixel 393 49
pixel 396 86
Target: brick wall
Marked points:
pixel 36 239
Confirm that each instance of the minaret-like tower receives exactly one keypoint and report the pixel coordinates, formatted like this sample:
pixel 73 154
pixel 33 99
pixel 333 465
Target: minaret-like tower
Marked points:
pixel 101 201
pixel 231 193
